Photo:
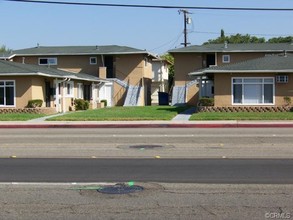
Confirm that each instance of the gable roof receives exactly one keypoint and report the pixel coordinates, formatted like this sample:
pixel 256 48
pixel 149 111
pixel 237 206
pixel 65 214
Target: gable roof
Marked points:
pixel 270 64
pixel 8 68
pixel 77 50
pixel 235 48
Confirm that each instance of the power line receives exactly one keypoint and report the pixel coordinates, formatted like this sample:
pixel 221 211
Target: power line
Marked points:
pixel 151 6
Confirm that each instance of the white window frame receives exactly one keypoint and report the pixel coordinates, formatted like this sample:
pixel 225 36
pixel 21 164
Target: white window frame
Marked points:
pixel 70 92
pixel 79 90
pixel 243 83
pixel 226 58
pixel 51 61
pixel 14 92
pixel 93 58
pixel 282 79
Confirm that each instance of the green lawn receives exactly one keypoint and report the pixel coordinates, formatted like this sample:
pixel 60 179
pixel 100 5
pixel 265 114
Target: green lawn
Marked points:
pixel 123 113
pixel 19 116
pixel 242 116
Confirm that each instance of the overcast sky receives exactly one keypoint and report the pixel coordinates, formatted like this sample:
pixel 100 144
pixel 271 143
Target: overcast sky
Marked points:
pixel 156 30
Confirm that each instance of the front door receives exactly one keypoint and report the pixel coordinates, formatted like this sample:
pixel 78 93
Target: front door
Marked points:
pixel 105 92
pixel 87 92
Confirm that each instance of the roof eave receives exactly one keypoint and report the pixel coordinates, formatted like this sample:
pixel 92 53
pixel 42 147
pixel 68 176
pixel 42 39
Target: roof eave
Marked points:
pixel 250 71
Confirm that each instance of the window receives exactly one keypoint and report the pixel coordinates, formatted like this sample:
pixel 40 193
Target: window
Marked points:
pixel 48 61
pixel 7 93
pixel 79 90
pixel 282 79
pixel 69 89
pixel 226 58
pixel 253 91
pixel 93 60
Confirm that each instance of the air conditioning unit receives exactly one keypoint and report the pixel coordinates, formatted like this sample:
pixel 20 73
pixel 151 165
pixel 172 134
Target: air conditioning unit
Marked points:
pixel 282 79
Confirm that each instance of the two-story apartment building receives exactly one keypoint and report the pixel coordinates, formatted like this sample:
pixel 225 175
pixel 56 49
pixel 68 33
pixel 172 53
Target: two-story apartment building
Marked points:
pixel 127 70
pixel 189 88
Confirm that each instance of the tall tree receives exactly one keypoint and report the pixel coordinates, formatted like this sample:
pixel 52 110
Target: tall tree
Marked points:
pixel 288 39
pixel 170 59
pixel 240 38
pixel 3 48
pixel 235 39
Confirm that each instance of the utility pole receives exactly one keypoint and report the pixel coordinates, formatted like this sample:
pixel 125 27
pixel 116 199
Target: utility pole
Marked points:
pixel 187 20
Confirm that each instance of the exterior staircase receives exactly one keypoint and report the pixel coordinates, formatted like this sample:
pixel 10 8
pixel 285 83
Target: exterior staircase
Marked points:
pixel 178 95
pixel 132 95
pixel 120 82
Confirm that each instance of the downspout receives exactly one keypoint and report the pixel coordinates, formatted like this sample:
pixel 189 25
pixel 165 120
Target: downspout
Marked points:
pixel 57 95
pixel 103 61
pixel 63 96
pixel 216 59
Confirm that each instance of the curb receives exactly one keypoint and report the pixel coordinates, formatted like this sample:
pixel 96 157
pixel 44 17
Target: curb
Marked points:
pixel 236 125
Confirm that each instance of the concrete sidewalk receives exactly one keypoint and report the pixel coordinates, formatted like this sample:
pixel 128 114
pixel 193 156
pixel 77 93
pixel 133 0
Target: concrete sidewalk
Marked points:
pixel 146 124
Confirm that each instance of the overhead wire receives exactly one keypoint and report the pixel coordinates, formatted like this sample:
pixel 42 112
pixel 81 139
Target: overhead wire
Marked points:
pixel 151 6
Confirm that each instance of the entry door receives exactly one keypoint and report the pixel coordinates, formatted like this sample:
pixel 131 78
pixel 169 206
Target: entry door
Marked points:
pixel 87 92
pixel 106 93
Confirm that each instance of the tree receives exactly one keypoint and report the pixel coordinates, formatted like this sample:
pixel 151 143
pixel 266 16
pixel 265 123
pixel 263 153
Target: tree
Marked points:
pixel 170 59
pixel 3 49
pixel 240 38
pixel 288 39
pixel 235 39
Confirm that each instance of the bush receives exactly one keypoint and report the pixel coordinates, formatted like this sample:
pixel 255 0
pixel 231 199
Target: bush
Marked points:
pixel 34 103
pixel 105 102
pixel 81 104
pixel 287 100
pixel 206 102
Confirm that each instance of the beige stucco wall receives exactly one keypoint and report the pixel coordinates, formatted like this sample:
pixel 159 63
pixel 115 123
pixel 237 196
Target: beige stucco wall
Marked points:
pixel 26 88
pixel 38 88
pixel 223 88
pixel 130 68
pixel 184 64
pixel 119 94
pixel 77 64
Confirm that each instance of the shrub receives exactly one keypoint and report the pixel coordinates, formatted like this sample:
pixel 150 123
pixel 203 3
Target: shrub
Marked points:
pixel 287 100
pixel 206 102
pixel 105 102
pixel 34 103
pixel 81 104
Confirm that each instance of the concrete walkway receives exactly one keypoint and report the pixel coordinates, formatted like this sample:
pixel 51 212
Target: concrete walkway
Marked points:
pixel 42 119
pixel 184 116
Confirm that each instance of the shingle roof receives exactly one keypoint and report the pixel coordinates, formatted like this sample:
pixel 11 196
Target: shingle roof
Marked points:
pixel 79 50
pixel 8 68
pixel 272 63
pixel 248 47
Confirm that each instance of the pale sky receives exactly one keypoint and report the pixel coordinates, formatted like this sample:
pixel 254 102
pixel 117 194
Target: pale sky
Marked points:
pixel 156 30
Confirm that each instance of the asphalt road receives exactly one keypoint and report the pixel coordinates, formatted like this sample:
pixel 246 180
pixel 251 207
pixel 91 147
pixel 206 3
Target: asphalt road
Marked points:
pixel 175 142
pixel 148 170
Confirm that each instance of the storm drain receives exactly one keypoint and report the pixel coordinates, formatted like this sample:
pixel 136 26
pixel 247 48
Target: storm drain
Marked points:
pixel 120 188
pixel 148 146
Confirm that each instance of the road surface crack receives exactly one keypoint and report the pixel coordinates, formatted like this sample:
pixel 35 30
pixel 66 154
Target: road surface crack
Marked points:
pixel 208 211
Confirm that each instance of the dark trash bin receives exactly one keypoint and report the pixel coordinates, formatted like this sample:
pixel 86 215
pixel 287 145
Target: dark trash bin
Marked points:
pixel 163 98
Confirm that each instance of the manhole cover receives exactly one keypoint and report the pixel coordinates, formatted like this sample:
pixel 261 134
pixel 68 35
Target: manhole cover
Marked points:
pixel 148 146
pixel 120 188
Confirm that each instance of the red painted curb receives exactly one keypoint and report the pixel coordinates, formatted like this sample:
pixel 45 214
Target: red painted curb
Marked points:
pixel 147 126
